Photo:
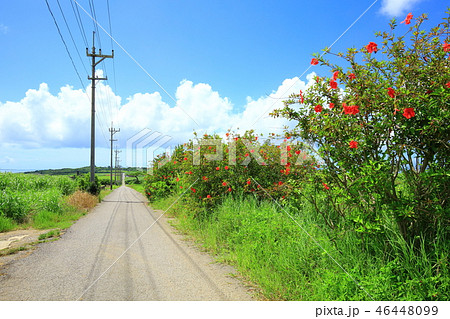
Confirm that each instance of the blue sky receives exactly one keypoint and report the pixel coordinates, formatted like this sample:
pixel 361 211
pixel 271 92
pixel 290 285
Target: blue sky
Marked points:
pixel 220 62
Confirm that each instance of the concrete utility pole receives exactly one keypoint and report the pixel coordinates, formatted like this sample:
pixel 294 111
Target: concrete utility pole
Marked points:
pixel 93 78
pixel 112 130
pixel 117 163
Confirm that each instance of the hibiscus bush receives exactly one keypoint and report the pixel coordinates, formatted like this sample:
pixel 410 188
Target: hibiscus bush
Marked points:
pixel 380 123
pixel 208 168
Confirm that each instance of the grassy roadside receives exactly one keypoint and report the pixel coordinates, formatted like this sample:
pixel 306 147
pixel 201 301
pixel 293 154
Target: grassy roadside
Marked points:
pixel 137 187
pixel 290 260
pixel 73 207
pixel 65 211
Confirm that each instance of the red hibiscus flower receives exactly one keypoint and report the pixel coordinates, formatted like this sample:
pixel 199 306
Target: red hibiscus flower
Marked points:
pixel 350 109
pixel 333 84
pixel 331 105
pixel 224 184
pixel 297 152
pixel 226 167
pixel 248 182
pixel 335 75
pixel 353 144
pixel 372 47
pixel 217 168
pixel 280 183
pixel 407 19
pixel 208 196
pixel 447 85
pixel 318 108
pixel 352 76
pixel 391 92
pixel 409 113
pixel 229 189
pixel 314 61
pixel 446 47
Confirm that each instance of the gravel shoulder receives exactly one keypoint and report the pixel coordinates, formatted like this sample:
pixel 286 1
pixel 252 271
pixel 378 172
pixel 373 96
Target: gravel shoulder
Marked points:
pixel 122 250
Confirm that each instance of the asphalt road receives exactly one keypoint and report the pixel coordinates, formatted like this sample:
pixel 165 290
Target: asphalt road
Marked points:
pixel 120 252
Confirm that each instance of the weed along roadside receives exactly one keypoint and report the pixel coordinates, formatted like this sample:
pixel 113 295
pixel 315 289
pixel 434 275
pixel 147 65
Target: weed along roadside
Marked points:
pixel 38 208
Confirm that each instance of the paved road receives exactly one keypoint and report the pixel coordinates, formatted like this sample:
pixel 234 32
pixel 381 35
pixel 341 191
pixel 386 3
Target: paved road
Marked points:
pixel 82 264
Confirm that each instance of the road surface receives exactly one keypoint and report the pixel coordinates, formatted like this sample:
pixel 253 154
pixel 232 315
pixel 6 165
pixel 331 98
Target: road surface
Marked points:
pixel 114 253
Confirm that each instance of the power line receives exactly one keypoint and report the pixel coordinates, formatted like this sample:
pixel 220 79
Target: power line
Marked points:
pixel 79 22
pixel 64 42
pixel 102 128
pixel 113 61
pixel 135 61
pixel 73 41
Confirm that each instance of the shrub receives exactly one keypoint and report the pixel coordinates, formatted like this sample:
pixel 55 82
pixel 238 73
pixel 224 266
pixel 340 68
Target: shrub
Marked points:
pixel 384 143
pixel 85 184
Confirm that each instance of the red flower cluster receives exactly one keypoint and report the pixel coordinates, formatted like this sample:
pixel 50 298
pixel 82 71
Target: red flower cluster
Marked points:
pixel 331 105
pixel 409 113
pixel 325 186
pixel 318 108
pixel 446 47
pixel 372 47
pixel 391 92
pixel 314 61
pixel 350 109
pixel 333 84
pixel 353 144
pixel 301 97
pixel 407 19
pixel 352 76
pixel 335 75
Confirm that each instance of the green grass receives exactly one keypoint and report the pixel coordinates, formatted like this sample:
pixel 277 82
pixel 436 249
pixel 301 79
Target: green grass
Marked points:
pixel 6 224
pixel 138 187
pixel 10 251
pixel 48 220
pixel 274 252
pixel 36 201
pixel 50 234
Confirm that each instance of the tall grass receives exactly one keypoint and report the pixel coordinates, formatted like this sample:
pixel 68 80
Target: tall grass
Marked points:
pixel 303 260
pixel 32 198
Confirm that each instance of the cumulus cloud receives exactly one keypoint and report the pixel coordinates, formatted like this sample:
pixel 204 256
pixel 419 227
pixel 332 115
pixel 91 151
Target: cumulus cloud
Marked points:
pixel 394 8
pixel 42 119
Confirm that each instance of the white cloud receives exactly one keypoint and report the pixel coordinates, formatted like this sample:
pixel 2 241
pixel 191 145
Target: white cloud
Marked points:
pixel 42 119
pixel 397 7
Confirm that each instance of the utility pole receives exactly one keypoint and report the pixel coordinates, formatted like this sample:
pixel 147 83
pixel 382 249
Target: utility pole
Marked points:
pixel 112 130
pixel 117 162
pixel 93 78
